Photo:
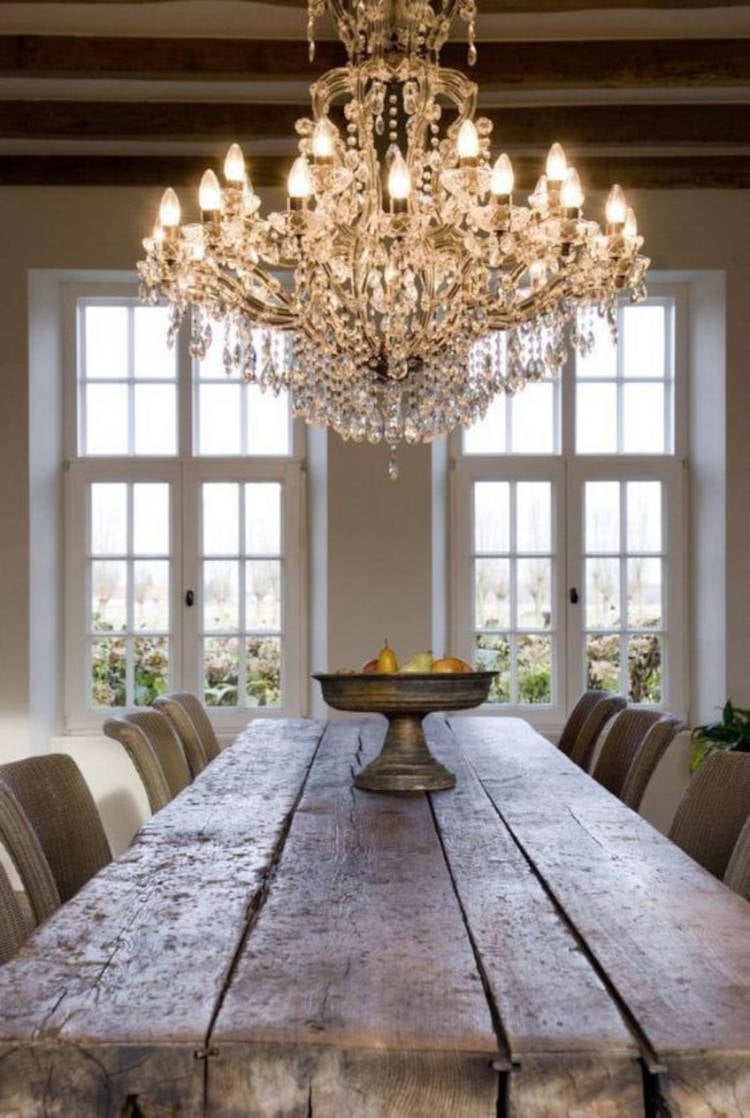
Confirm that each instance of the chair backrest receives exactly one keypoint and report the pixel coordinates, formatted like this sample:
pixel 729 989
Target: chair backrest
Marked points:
pixel 12 929
pixel 737 876
pixel 190 721
pixel 577 717
pixel 652 749
pixel 141 753
pixel 714 810
pixel 55 799
pixel 20 840
pixel 583 748
pixel 621 744
pixel 163 739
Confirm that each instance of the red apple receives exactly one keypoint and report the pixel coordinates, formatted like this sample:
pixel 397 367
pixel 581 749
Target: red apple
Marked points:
pixel 370 666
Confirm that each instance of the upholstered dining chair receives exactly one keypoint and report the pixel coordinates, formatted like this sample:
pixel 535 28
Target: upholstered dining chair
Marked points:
pixel 582 749
pixel 12 928
pixel 737 876
pixel 193 726
pixel 623 746
pixel 713 811
pixel 154 748
pixel 47 797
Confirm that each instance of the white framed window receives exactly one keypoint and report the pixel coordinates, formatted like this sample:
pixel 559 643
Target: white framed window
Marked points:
pixel 185 557
pixel 568 564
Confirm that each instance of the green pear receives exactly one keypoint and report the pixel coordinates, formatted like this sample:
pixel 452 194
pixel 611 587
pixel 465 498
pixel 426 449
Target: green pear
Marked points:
pixel 420 662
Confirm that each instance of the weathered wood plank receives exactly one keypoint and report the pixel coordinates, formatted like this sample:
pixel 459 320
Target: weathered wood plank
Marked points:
pixel 567 1038
pixel 673 941
pixel 361 949
pixel 113 997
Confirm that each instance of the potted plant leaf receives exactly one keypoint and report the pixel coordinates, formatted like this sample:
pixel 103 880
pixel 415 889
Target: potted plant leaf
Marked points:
pixel 732 732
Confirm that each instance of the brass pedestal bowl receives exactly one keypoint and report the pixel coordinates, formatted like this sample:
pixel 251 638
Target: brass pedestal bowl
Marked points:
pixel 405 763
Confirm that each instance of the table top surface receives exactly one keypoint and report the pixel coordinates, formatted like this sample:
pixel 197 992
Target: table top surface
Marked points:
pixel 277 942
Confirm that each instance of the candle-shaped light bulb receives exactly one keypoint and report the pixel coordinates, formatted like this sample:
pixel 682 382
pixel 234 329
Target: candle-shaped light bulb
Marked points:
pixel 502 176
pixel 557 164
pixel 234 165
pixel 616 208
pixel 571 194
pixel 631 225
pixel 467 142
pixel 169 209
pixel 300 184
pixel 209 193
pixel 540 197
pixel 324 140
pixel 399 179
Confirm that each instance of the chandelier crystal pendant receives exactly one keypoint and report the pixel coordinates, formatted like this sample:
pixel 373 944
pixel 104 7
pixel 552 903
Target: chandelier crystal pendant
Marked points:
pixel 405 285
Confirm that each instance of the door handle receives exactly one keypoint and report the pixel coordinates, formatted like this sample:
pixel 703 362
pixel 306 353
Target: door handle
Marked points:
pixel 189 598
pixel 573 596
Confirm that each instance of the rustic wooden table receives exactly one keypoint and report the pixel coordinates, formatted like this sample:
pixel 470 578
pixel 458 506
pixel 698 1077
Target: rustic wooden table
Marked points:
pixel 278 943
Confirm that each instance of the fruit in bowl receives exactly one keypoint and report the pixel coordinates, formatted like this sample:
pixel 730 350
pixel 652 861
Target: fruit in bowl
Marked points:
pixel 451 664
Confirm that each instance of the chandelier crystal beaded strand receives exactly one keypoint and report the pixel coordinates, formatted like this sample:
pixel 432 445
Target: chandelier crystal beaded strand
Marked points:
pixel 405 285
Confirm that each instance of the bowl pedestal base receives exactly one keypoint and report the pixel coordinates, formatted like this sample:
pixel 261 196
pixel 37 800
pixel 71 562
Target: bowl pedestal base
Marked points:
pixel 405 763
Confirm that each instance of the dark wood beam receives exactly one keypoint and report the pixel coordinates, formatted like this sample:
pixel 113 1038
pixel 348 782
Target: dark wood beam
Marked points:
pixel 660 63
pixel 725 172
pixel 641 124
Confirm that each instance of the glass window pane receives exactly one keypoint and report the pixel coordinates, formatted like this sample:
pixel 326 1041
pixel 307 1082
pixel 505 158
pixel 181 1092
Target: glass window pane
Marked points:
pixel 492 516
pixel 263 672
pixel 221 607
pixel 211 367
pixel 602 516
pixel 493 655
pixel 151 594
pixel 221 518
pixel 221 671
pixel 602 593
pixel 533 516
pixel 150 669
pixel 644 593
pixel 603 662
pixel 596 419
pixel 106 343
pixel 106 428
pixel 268 424
pixel 154 359
pixel 534 669
pixel 263 518
pixel 644 515
pixel 151 518
pixel 108 672
pixel 533 419
pixel 601 361
pixel 109 518
pixel 492 593
pixel 643 341
pixel 108 594
pixel 263 594
pixel 644 668
pixel 219 419
pixel 488 435
pixel 534 593
pixel 155 419
pixel 643 419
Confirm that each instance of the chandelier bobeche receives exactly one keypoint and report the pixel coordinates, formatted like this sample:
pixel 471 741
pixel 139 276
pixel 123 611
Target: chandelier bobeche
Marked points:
pixel 403 250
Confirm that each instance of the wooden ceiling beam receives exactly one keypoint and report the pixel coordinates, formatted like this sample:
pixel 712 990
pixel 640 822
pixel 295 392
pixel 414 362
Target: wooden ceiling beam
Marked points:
pixel 605 64
pixel 636 124
pixel 642 173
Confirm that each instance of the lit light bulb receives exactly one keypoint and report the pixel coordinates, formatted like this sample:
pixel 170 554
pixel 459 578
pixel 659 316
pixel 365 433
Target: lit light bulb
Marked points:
pixel 209 193
pixel 631 225
pixel 234 165
pixel 324 140
pixel 399 179
pixel 300 184
pixel 557 164
pixel 502 176
pixel 467 143
pixel 571 194
pixel 169 209
pixel 540 198
pixel 616 208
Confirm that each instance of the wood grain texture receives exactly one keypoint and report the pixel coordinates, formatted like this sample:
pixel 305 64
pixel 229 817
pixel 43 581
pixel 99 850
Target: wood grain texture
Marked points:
pixel 673 942
pixel 114 996
pixel 361 947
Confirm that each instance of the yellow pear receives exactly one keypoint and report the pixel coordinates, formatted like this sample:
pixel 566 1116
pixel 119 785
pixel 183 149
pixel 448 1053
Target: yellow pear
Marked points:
pixel 419 663
pixel 387 663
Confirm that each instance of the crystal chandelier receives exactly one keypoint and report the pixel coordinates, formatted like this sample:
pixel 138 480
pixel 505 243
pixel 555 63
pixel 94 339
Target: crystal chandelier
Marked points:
pixel 405 285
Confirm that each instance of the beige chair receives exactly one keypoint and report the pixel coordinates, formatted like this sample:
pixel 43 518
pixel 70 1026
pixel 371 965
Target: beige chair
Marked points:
pixel 48 796
pixel 584 745
pixel 622 747
pixel 156 752
pixel 737 876
pixel 12 927
pixel 714 810
pixel 193 727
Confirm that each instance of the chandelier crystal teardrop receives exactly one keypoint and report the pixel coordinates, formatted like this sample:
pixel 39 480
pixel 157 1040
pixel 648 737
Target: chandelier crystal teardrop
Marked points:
pixel 405 285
